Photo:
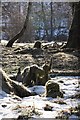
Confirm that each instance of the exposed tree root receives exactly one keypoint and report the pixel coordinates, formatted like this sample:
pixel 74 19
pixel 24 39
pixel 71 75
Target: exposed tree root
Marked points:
pixel 9 86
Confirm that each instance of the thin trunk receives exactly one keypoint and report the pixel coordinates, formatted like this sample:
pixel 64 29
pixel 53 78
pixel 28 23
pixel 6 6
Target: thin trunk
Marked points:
pixel 39 30
pixel 51 21
pixel 44 20
pixel 10 43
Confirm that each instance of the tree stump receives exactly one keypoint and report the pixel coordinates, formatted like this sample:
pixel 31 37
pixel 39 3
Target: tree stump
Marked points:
pixel 37 44
pixel 53 89
pixel 9 86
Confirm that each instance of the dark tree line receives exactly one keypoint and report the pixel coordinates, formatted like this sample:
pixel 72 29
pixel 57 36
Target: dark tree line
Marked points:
pixel 74 37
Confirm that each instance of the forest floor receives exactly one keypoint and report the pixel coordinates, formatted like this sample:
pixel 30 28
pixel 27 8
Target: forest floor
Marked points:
pixel 63 62
pixel 65 70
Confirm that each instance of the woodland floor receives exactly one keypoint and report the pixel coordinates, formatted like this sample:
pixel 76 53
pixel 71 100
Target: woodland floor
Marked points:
pixel 65 71
pixel 64 63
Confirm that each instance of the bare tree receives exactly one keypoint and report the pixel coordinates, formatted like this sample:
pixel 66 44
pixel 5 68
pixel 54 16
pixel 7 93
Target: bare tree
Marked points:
pixel 10 43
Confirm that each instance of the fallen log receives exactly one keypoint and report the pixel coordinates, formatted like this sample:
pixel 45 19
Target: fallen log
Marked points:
pixel 9 85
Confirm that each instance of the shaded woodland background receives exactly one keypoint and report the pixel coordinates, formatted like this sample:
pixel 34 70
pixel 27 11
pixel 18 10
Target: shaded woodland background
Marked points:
pixel 47 21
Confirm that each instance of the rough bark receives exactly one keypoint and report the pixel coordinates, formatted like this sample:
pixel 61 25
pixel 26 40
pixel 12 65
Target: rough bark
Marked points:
pixel 74 33
pixel 9 86
pixel 10 43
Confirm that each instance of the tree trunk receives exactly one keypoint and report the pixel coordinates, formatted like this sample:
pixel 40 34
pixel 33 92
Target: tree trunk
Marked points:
pixel 10 43
pixel 44 20
pixel 51 21
pixel 9 86
pixel 74 33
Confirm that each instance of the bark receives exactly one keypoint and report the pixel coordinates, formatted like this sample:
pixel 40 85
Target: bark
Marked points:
pixel 74 33
pixel 44 20
pixel 10 43
pixel 9 86
pixel 51 21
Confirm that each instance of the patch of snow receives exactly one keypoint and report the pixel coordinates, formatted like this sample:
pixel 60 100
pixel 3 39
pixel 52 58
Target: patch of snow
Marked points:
pixel 69 85
pixel 38 89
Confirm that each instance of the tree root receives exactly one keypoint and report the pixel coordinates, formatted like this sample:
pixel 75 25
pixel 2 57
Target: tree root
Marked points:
pixel 9 86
